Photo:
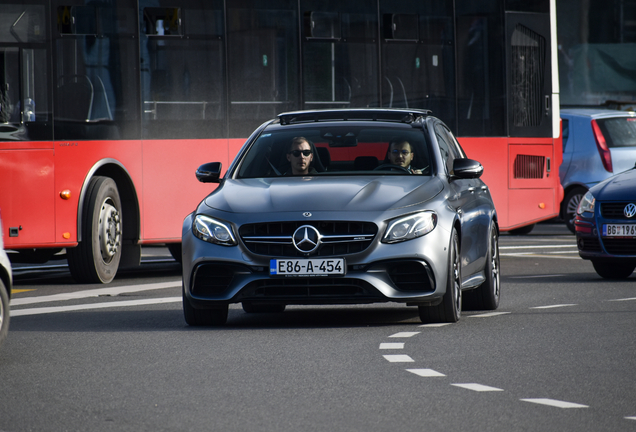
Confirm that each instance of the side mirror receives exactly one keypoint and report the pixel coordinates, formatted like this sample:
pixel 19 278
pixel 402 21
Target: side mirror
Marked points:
pixel 209 172
pixel 466 169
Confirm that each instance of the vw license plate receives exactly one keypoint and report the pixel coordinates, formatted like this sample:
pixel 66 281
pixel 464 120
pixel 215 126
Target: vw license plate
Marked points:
pixel 307 267
pixel 619 230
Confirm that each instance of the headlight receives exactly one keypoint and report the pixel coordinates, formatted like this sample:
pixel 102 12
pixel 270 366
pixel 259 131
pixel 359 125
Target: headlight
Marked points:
pixel 586 204
pixel 213 231
pixel 410 227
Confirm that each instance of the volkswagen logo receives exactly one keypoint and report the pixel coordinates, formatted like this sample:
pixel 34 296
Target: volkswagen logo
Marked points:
pixel 630 210
pixel 306 239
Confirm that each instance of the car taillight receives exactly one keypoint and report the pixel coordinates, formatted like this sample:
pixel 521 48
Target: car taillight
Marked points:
pixel 601 145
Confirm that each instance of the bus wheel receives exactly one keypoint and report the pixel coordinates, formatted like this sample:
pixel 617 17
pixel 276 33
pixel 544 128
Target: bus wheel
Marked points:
pixel 96 257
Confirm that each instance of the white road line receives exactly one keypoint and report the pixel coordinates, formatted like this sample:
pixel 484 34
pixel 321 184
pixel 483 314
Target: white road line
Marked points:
pixel 624 299
pixel 555 403
pixel 538 247
pixel 404 334
pixel 115 304
pixel 399 358
pixel 477 387
pixel 535 277
pixel 630 418
pixel 553 306
pixel 426 373
pixel 435 325
pixel 114 291
pixel 535 255
pixel 488 315
pixel 397 345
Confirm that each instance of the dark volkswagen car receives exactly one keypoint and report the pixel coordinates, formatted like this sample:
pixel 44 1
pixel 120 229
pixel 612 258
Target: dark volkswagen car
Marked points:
pixel 605 225
pixel 343 207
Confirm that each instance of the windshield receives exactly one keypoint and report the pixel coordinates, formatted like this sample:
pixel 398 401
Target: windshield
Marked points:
pixel 337 151
pixel 619 131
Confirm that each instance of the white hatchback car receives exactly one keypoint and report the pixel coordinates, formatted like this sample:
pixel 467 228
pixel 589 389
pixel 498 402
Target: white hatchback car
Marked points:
pixel 6 282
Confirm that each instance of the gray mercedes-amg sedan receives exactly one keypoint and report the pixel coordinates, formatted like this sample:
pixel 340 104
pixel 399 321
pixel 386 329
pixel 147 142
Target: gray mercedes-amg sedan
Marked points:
pixel 343 207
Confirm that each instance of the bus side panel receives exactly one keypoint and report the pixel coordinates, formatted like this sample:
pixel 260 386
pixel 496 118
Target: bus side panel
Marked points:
pixel 27 195
pixel 492 153
pixel 75 161
pixel 168 200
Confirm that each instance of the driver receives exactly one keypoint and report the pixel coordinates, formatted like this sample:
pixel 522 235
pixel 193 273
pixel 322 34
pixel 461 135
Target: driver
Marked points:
pixel 300 156
pixel 401 153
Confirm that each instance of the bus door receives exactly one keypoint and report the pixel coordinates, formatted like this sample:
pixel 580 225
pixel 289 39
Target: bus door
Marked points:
pixel 26 151
pixel 531 157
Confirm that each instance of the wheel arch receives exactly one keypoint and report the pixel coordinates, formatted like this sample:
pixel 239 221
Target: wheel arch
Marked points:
pixel 127 192
pixel 566 191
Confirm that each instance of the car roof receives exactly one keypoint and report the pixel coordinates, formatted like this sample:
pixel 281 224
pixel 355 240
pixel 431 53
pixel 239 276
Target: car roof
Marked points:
pixel 596 113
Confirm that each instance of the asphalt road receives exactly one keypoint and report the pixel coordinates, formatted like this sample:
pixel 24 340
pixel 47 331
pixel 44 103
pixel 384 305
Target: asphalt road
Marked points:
pixel 558 355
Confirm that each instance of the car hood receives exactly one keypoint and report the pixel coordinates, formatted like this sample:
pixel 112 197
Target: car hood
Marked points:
pixel 621 187
pixel 323 193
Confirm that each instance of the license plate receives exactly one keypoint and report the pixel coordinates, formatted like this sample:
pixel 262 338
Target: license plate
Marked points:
pixel 307 267
pixel 619 230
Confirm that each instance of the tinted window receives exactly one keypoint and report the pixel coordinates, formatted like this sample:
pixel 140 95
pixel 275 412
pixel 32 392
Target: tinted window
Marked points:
pixel 619 132
pixel 182 73
pixel 95 89
pixel 340 54
pixel 263 62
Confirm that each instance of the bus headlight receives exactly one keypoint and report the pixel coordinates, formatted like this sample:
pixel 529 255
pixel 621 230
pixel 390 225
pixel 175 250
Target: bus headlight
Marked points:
pixel 214 231
pixel 410 227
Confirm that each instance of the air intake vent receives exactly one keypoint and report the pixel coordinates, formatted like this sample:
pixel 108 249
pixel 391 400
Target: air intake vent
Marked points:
pixel 529 167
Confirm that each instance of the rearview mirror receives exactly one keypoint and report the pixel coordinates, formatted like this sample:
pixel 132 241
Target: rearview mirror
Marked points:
pixel 466 169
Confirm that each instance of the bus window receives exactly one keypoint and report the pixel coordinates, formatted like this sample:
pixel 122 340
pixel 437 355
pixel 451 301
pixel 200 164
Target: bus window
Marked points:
pixel 339 54
pixel 94 97
pixel 418 57
pixel 262 62
pixel 182 73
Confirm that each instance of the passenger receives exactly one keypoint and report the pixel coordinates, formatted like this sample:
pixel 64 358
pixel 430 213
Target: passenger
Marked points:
pixel 300 156
pixel 401 153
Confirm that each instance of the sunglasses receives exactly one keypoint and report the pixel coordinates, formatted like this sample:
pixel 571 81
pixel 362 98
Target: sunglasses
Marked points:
pixel 296 153
pixel 404 152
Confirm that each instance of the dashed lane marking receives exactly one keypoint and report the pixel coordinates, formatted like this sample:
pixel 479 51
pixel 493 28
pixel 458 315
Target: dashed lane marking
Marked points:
pixel 397 345
pixel 488 315
pixel 426 373
pixel 114 291
pixel 435 325
pixel 630 418
pixel 115 304
pixel 404 334
pixel 624 299
pixel 555 403
pixel 535 276
pixel 399 358
pixel 553 306
pixel 538 247
pixel 477 387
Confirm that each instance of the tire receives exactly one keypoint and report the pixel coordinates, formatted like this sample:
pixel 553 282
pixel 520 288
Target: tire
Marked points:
pixel 486 296
pixel 570 204
pixel 4 312
pixel 450 309
pixel 613 270
pixel 523 230
pixel 203 317
pixel 249 307
pixel 96 258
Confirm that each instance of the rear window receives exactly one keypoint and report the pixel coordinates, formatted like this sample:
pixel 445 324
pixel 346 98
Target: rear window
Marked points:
pixel 619 132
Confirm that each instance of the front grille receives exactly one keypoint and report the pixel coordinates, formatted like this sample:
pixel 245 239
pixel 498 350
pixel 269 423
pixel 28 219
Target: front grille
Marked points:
pixel 300 289
pixel 615 211
pixel 620 246
pixel 339 238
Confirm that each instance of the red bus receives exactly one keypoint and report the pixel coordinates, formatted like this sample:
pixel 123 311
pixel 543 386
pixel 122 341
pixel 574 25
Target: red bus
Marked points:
pixel 108 107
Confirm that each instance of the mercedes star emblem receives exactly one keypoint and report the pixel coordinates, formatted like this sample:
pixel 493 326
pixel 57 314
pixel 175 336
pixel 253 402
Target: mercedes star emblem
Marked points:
pixel 306 239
